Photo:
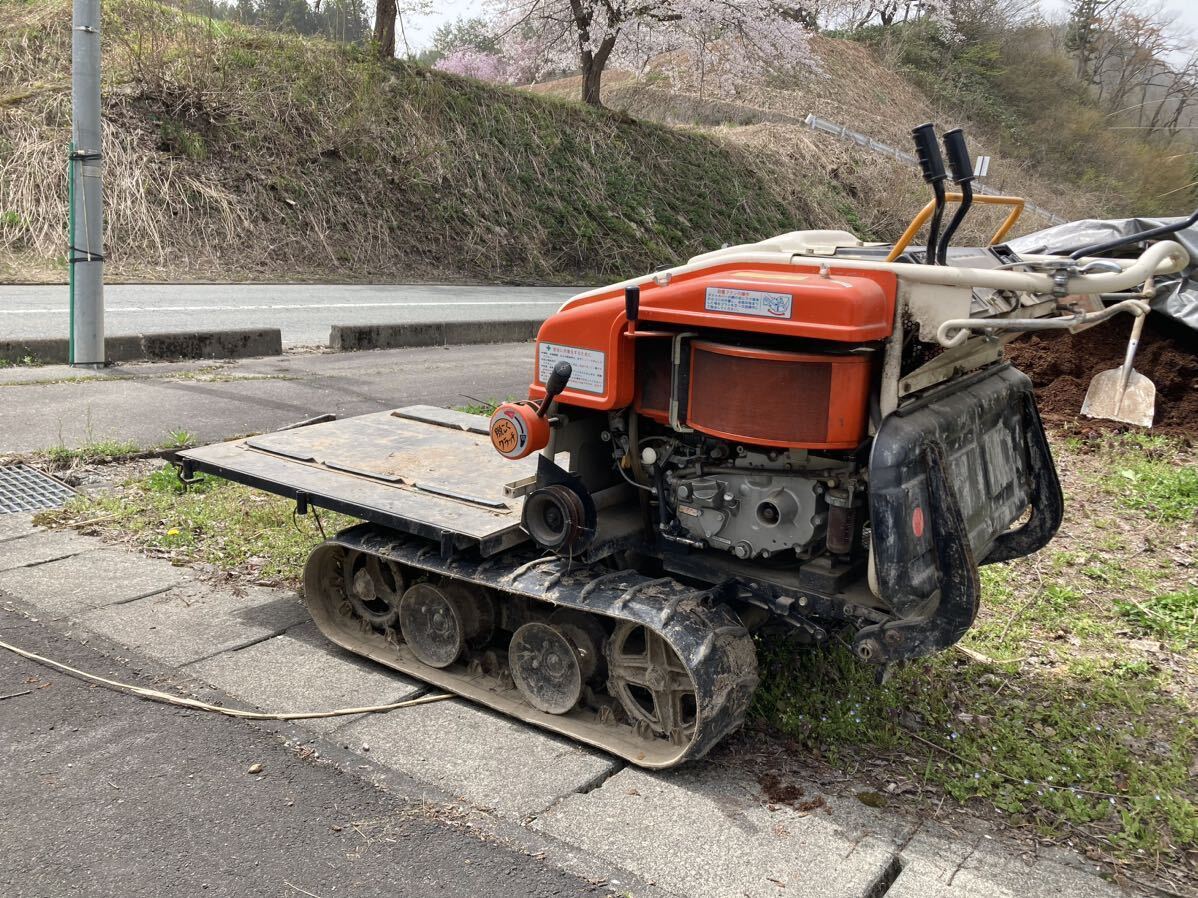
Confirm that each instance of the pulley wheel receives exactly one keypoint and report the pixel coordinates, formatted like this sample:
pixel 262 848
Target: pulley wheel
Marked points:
pixel 545 667
pixel 438 621
pixel 650 681
pixel 373 587
pixel 555 518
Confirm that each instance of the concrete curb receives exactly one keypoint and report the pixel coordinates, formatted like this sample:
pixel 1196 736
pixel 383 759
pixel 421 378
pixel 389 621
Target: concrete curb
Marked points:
pixel 222 344
pixel 354 337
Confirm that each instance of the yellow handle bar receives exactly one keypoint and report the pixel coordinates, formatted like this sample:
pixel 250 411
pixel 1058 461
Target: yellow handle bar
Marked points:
pixel 984 199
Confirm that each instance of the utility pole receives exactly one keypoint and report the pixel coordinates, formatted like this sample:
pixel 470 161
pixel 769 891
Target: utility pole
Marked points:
pixel 86 197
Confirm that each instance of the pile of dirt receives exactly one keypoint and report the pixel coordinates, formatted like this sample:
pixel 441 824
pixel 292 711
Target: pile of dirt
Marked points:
pixel 1061 365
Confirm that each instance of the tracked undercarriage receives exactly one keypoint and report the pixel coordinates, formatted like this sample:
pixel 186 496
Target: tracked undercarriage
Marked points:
pixel 444 587
pixel 646 668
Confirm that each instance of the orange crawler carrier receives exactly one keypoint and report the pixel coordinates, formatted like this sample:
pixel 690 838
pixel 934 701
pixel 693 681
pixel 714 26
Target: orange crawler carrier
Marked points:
pixel 775 440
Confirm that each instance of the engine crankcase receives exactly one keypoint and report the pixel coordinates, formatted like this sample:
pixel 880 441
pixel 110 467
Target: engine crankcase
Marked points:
pixel 752 514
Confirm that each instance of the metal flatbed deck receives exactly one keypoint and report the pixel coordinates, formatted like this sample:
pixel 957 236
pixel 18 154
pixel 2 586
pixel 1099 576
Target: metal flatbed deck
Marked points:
pixel 419 469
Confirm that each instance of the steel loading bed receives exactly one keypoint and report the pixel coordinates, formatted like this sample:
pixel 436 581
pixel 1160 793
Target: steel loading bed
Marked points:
pixel 422 470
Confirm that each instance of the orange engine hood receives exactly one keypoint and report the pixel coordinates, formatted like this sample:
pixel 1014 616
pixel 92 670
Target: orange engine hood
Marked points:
pixel 804 302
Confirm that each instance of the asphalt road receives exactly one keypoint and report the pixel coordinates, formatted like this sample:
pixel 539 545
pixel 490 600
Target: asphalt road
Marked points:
pixel 303 311
pixel 108 795
pixel 145 403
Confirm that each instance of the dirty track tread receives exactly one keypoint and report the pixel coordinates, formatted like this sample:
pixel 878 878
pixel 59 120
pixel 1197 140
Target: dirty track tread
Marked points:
pixel 708 638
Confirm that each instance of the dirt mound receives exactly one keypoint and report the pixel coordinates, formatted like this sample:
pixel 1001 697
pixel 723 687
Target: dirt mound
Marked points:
pixel 1061 365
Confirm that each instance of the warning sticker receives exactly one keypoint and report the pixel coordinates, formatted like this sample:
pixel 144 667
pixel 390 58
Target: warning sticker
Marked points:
pixel 749 302
pixel 588 366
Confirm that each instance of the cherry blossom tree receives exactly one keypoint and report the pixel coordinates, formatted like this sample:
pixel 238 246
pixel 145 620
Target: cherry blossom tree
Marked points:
pixel 733 39
pixel 472 63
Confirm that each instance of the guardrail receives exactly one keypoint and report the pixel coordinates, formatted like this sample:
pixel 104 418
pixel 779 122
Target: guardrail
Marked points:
pixel 815 123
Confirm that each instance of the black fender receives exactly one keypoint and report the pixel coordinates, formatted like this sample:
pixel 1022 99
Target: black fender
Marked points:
pixel 950 475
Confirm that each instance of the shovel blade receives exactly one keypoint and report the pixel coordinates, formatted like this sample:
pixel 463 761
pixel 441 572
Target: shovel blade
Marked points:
pixel 1135 404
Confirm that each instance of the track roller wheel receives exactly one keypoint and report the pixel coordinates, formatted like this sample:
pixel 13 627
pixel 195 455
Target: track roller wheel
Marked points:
pixel 437 621
pixel 546 667
pixel 651 682
pixel 593 666
pixel 373 587
pixel 588 637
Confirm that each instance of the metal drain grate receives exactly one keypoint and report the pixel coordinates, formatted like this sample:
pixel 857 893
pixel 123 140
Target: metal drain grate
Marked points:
pixel 24 489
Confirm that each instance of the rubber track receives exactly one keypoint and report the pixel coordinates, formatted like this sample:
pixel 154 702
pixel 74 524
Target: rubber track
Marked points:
pixel 716 649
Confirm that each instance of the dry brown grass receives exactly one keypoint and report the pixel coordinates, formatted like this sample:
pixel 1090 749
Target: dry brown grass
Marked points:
pixel 147 196
pixel 851 87
pixel 238 154
pixel 233 154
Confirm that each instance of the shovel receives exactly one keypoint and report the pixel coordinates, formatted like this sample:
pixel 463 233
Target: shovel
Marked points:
pixel 1123 394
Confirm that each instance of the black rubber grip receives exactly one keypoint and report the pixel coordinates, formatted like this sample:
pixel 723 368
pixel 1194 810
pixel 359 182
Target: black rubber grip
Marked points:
pixel 958 155
pixel 558 378
pixel 632 302
pixel 927 150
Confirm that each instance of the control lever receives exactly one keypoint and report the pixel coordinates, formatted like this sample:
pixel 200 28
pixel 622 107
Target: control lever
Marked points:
pixel 558 378
pixel 932 165
pixel 632 306
pixel 962 169
pixel 958 155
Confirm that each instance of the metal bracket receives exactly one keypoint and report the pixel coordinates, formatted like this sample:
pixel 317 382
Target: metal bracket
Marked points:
pixel 677 368
pixel 85 257
pixel 186 473
pixel 969 356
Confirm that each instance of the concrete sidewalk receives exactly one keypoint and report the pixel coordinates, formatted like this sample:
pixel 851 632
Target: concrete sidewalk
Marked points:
pixel 145 403
pixel 704 830
pixel 111 797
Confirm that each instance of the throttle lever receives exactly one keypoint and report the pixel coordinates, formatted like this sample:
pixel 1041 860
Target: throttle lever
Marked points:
pixel 632 306
pixel 558 378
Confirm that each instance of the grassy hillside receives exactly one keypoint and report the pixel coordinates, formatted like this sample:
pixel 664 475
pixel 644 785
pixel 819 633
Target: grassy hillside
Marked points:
pixel 234 153
pixel 1017 99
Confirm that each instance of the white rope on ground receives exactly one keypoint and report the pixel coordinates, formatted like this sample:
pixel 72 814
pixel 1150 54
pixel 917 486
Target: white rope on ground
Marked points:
pixel 167 698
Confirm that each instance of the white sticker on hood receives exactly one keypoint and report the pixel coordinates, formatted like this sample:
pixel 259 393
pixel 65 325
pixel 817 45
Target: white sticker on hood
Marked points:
pixel 749 302
pixel 589 366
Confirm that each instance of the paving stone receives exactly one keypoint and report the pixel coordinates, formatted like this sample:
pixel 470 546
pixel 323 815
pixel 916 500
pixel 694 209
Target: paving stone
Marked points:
pixel 195 621
pixel 89 580
pixel 302 671
pixel 948 862
pixel 704 832
pixel 491 761
pixel 15 524
pixel 941 867
pixel 41 546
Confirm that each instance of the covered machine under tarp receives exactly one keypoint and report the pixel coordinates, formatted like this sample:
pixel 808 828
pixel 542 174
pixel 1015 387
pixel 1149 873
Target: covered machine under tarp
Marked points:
pixel 1176 294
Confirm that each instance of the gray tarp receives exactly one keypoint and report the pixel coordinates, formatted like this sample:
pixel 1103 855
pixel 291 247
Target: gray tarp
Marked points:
pixel 1176 295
